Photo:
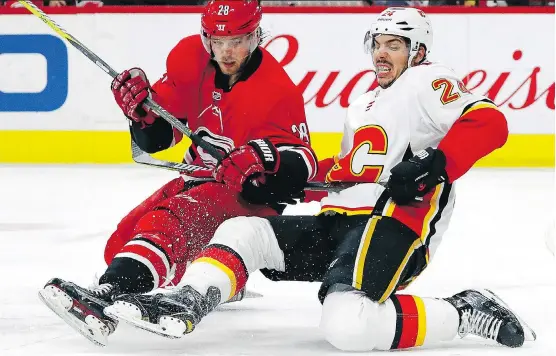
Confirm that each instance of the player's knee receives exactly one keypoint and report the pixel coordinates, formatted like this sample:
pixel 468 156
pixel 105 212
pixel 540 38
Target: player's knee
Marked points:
pixel 253 239
pixel 348 321
pixel 159 221
pixel 117 240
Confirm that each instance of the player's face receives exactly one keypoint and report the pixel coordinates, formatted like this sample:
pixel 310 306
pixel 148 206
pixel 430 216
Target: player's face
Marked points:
pixel 230 52
pixel 390 54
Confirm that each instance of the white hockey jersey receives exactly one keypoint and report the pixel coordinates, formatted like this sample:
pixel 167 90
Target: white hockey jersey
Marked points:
pixel 385 126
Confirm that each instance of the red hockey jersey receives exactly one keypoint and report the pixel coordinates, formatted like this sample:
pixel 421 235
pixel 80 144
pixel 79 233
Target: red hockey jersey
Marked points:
pixel 263 103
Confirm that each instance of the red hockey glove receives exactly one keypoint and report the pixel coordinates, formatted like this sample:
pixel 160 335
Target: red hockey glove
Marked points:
pixel 250 161
pixel 131 88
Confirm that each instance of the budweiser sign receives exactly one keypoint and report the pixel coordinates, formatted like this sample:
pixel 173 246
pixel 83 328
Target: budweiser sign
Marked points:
pixel 510 90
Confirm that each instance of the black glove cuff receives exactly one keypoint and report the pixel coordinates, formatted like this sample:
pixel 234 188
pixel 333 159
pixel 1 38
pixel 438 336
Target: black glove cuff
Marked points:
pixel 432 160
pixel 439 165
pixel 268 153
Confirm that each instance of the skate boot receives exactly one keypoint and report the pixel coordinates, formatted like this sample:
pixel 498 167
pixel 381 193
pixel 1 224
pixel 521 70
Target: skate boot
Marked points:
pixel 171 315
pixel 81 308
pixel 484 314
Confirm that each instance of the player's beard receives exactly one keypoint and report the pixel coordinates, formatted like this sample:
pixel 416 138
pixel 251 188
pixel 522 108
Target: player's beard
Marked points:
pixel 389 81
pixel 238 63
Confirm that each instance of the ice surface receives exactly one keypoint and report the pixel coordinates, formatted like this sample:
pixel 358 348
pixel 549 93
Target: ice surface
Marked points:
pixel 54 221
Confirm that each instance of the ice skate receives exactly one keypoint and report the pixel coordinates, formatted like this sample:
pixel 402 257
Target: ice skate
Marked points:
pixel 170 315
pixel 483 313
pixel 81 308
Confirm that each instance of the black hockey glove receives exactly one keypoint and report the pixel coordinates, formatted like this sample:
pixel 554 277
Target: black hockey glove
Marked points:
pixel 411 180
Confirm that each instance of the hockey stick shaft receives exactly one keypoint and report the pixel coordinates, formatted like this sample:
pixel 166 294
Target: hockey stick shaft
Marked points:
pixel 157 109
pixel 142 157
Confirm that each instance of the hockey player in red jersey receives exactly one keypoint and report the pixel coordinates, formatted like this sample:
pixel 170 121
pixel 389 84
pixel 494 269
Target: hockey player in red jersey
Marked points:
pixel 416 135
pixel 237 97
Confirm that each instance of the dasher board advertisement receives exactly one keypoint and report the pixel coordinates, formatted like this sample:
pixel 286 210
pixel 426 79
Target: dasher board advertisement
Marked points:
pixel 56 106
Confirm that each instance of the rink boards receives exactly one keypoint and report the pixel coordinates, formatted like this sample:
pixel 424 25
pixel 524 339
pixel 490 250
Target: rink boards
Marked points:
pixel 56 106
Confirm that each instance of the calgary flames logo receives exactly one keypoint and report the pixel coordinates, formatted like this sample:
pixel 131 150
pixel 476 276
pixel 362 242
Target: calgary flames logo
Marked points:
pixel 362 163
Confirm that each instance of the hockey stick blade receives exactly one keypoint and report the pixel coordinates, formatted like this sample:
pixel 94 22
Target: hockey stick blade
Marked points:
pixel 142 157
pixel 157 109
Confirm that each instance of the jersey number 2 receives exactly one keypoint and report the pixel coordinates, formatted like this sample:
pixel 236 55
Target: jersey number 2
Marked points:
pixel 223 10
pixel 448 93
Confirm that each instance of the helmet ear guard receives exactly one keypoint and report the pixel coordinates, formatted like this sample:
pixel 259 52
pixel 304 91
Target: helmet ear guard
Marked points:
pixel 255 40
pixel 414 50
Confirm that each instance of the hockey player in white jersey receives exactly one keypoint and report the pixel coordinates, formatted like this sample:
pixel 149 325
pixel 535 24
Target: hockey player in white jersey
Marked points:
pixel 405 144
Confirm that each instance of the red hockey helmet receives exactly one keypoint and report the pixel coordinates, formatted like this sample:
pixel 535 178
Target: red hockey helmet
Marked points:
pixel 229 18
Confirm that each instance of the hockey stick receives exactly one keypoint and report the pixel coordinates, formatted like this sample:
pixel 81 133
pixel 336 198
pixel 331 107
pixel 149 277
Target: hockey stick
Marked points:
pixel 157 109
pixel 142 157
pixel 139 156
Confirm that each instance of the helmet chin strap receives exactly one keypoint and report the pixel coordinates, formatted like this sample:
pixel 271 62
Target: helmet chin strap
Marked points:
pixel 409 60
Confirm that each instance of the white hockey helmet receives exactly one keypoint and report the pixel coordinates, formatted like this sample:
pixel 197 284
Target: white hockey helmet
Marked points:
pixel 407 22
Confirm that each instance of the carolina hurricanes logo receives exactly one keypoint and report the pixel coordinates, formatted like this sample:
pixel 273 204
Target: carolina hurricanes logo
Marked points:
pixel 215 109
pixel 222 143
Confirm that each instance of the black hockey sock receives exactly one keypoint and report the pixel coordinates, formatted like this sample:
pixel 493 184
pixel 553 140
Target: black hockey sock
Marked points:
pixel 129 275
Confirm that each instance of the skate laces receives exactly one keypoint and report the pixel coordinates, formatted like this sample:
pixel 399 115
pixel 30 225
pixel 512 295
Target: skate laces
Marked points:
pixel 102 290
pixel 478 323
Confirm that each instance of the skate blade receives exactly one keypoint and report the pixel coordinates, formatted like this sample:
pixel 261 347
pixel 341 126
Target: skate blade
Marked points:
pixel 529 334
pixel 167 326
pixel 60 303
pixel 243 294
pixel 252 294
